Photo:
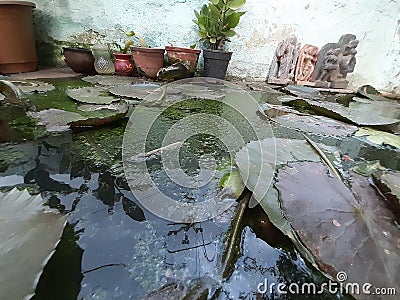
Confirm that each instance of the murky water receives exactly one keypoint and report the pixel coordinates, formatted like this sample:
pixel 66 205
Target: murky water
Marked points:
pixel 113 248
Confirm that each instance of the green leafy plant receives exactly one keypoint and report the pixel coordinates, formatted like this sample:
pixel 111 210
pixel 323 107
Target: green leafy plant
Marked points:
pixel 132 35
pixel 217 20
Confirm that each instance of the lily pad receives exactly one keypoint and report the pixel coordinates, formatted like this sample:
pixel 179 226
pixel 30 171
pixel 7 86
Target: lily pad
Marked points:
pixel 389 184
pixel 346 230
pixel 256 163
pixel 368 168
pixel 304 92
pixel 92 95
pixel 370 92
pixel 61 120
pixel 379 137
pixel 112 80
pixel 136 91
pixel 34 86
pixel 29 233
pixel 315 124
pixel 373 113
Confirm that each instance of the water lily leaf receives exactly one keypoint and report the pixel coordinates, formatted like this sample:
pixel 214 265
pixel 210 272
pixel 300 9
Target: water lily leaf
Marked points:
pixel 34 86
pixel 55 120
pixel 315 124
pixel 346 230
pixel 136 91
pixel 257 162
pixel 368 168
pixel 29 233
pixel 93 95
pixel 373 113
pixel 112 80
pixel 389 184
pixel 370 92
pixel 379 137
pixel 111 113
pixel 61 120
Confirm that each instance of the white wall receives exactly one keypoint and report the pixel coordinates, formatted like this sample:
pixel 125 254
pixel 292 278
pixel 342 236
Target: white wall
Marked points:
pixel 376 23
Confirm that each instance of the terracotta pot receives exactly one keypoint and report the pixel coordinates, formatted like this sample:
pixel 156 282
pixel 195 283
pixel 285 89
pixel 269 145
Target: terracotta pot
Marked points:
pixel 123 65
pixel 80 60
pixel 17 50
pixel 148 61
pixel 216 63
pixel 187 56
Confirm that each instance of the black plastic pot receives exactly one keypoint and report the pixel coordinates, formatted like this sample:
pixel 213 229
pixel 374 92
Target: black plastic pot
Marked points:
pixel 216 63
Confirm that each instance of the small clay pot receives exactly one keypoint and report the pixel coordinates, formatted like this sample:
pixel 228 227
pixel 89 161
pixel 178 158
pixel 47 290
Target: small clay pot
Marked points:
pixel 186 56
pixel 123 64
pixel 148 61
pixel 80 60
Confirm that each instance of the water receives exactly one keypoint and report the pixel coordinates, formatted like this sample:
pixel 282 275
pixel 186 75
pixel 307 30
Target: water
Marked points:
pixel 113 248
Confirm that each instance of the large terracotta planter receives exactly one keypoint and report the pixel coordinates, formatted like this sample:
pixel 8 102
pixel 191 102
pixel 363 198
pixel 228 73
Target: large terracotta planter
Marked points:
pixel 17 50
pixel 123 65
pixel 80 60
pixel 187 56
pixel 148 61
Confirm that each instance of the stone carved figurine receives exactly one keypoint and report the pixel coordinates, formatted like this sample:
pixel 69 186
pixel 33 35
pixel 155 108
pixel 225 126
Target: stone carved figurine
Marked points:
pixel 335 61
pixel 284 61
pixel 306 64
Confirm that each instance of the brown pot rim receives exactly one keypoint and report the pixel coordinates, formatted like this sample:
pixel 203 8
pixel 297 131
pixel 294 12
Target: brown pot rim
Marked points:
pixel 144 49
pixel 173 48
pixel 25 3
pixel 77 49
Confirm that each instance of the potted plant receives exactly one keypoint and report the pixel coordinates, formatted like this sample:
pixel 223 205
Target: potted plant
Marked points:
pixel 186 56
pixel 148 61
pixel 216 22
pixel 123 64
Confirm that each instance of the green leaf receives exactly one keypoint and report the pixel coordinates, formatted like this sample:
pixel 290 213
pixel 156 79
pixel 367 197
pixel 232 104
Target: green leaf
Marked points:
pixel 204 10
pixel 213 40
pixel 233 20
pixel 229 33
pixel 215 10
pixel 196 13
pixel 235 4
pixel 215 2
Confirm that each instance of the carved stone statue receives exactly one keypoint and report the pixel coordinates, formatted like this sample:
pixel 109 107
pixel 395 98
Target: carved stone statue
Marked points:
pixel 284 61
pixel 335 61
pixel 306 64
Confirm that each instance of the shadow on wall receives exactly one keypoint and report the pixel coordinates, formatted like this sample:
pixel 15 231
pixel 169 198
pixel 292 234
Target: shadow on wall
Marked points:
pixel 49 50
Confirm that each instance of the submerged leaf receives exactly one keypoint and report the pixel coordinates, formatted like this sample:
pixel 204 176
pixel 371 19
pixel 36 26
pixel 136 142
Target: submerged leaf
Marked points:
pixel 29 233
pixel 346 231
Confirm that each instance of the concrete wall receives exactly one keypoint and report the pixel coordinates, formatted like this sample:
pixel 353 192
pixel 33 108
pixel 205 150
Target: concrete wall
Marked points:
pixel 376 23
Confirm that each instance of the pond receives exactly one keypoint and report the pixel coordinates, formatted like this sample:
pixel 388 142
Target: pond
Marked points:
pixel 118 246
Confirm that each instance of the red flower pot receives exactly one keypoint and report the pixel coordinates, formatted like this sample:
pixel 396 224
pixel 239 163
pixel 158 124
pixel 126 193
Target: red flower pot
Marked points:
pixel 123 65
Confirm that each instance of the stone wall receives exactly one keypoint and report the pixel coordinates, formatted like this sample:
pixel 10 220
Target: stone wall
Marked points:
pixel 376 24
